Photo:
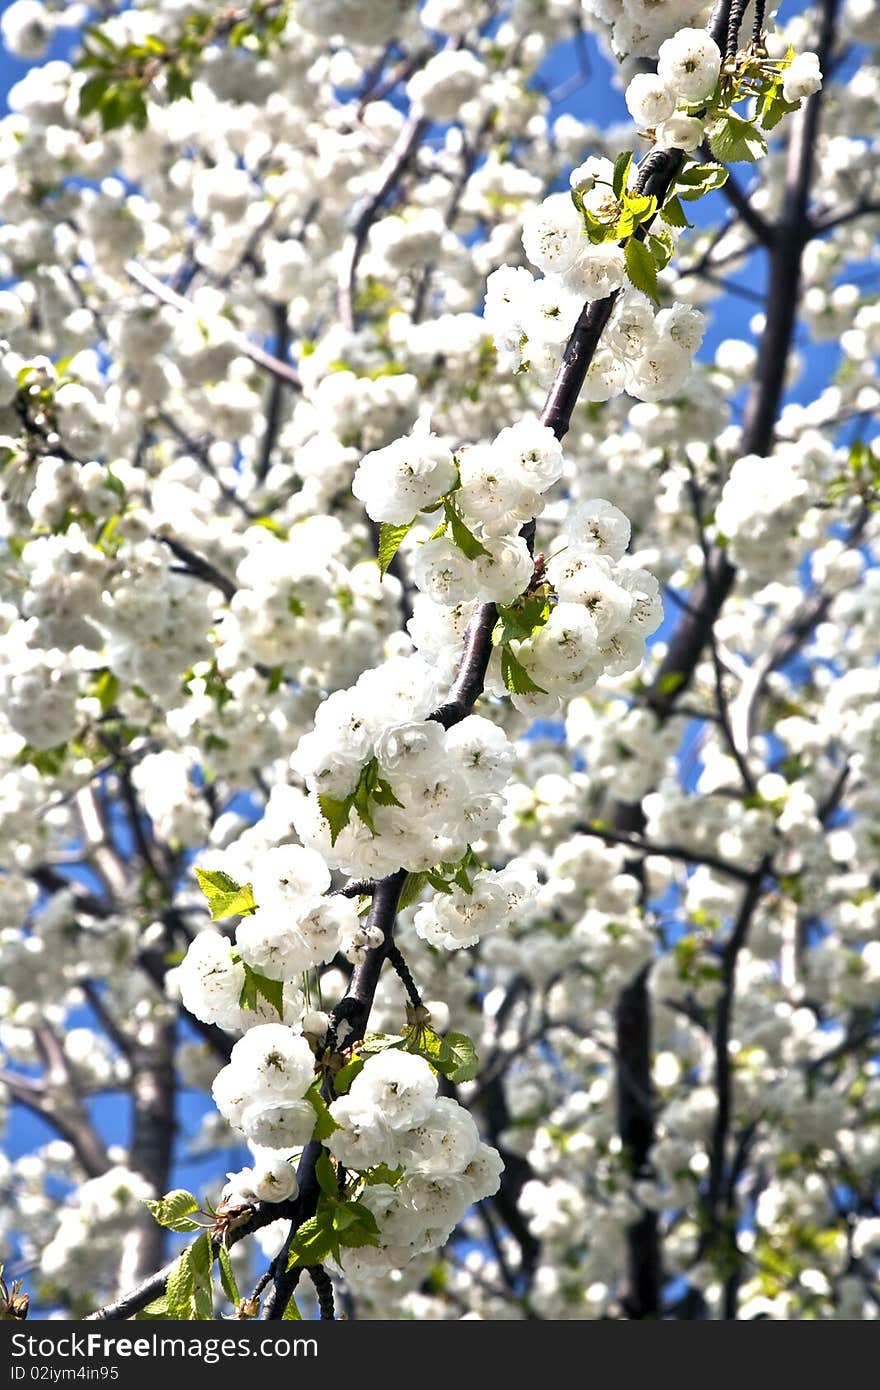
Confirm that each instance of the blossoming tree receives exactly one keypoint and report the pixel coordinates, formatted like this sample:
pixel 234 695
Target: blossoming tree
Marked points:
pixel 528 946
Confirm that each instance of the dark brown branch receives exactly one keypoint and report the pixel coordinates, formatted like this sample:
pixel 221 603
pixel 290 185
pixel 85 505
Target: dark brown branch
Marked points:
pixel 199 567
pixel 282 370
pixel 721 1042
pixel 324 1289
pixel 276 394
pixel 395 958
pixel 389 174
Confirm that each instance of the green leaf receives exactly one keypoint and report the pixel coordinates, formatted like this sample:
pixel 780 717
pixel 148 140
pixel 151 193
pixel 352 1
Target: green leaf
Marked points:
pixel 461 878
pixel 91 94
pixel 291 1312
pixel 772 106
pixel 636 210
pixel 105 689
pixel 622 166
pixel 227 1276
pixel 454 1056
pixel 733 140
pixel 158 1309
pixel 380 1042
pixel 383 794
pixel 275 528
pixel 462 536
pixel 115 108
pixel 314 1241
pixel 178 82
pixel 361 804
pixel 324 1121
pixel 458 1058
pixel 641 269
pixel 226 898
pixel 383 1174
pixel 668 684
pixel 344 1077
pixel 336 813
pixel 519 621
pixel 256 987
pixel 695 180
pixel 661 247
pixel 438 882
pixel 515 676
pixel 99 37
pixel 390 538
pixel 354 1225
pixel 673 214
pixel 173 1210
pixel 412 887
pixel 424 1042
pixel 179 1287
pixel 202 1261
pixel 326 1175
pixel 47 761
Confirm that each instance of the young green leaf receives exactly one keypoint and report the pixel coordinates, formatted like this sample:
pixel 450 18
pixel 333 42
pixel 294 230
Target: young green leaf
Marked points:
pixel 179 1287
pixel 314 1241
pixel 672 213
pixel 458 1058
pixel 733 140
pixel 641 269
pixel 158 1310
pixel 256 987
pixel 173 1211
pixel 412 887
pixel 390 538
pixel 622 166
pixel 202 1263
pixel 326 1175
pixel 336 812
pixel 695 180
pixel 462 536
pixel 324 1121
pixel 344 1077
pixel 515 676
pixel 354 1225
pixel 227 1276
pixel 226 898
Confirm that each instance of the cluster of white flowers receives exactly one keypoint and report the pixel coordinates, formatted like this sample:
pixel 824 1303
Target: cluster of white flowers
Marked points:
pixel 357 23
pixel 442 785
pixel 261 1089
pixel 171 799
pixel 495 488
pixel 85 1245
pixel 637 28
pixel 299 606
pixel 295 928
pixel 765 507
pixel 644 352
pixel 446 81
pixel 461 917
pixel 392 1116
